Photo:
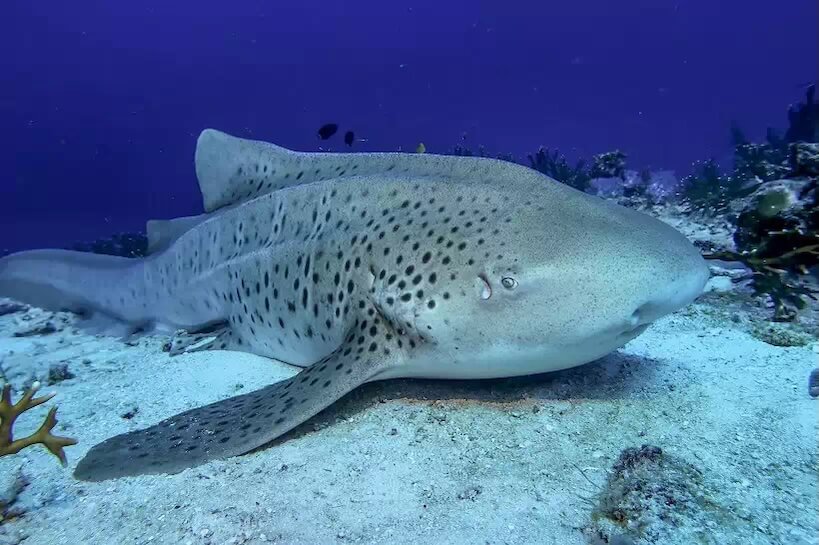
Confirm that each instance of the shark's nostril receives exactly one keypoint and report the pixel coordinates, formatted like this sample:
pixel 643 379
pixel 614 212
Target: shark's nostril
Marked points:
pixel 635 318
pixel 635 324
pixel 645 314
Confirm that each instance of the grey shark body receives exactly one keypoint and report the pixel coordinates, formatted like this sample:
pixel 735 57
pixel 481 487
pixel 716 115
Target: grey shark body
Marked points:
pixel 361 267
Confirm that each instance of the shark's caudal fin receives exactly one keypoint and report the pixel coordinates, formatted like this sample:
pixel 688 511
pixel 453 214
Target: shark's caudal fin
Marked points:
pixel 231 170
pixel 76 281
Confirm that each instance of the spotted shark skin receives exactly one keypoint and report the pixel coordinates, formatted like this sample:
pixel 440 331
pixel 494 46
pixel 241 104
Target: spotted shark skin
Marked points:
pixel 362 267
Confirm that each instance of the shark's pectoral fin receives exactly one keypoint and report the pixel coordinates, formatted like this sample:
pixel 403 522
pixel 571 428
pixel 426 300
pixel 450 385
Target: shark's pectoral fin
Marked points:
pixel 238 424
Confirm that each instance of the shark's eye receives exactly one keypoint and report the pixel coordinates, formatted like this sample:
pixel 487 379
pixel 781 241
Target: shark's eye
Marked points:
pixel 509 283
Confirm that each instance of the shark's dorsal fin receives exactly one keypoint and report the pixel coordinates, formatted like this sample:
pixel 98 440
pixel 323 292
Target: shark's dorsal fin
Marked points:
pixel 161 233
pixel 231 170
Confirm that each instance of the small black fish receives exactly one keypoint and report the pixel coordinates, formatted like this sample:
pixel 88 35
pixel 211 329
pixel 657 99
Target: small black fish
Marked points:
pixel 328 130
pixel 349 138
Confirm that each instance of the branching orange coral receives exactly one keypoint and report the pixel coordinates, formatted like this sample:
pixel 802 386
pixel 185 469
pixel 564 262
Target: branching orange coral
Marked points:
pixel 9 413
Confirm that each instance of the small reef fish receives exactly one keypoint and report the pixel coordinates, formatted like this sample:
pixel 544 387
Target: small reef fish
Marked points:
pixel 328 130
pixel 349 138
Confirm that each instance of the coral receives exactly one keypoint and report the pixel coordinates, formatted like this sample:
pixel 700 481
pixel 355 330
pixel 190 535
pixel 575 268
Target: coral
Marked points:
pixel 777 334
pixel 9 413
pixel 650 496
pixel 58 372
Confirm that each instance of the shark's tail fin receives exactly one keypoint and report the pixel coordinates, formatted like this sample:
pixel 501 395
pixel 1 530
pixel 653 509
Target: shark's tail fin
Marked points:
pixel 76 281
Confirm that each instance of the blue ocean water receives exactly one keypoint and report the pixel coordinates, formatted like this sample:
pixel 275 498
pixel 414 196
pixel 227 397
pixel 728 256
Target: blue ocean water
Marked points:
pixel 657 318
pixel 101 103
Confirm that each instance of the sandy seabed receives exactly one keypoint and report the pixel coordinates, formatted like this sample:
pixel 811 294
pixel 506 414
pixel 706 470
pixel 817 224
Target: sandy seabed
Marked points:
pixel 516 461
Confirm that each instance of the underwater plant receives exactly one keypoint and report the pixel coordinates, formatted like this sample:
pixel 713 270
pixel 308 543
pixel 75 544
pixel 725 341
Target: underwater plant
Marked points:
pixel 710 191
pixel 121 244
pixel 8 415
pixel 776 229
pixel 768 277
pixel 555 165
pixel 804 160
pixel 777 239
pixel 611 164
pixel 462 151
pixel 803 119
pixel 764 162
pixel 639 189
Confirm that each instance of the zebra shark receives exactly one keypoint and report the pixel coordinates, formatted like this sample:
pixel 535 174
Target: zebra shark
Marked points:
pixel 363 267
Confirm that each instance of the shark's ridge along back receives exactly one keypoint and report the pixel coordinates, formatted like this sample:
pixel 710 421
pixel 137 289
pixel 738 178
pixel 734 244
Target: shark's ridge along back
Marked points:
pixel 231 170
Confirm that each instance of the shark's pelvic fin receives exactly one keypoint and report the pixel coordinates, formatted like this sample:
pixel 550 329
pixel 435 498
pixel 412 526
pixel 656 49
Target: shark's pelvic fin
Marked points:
pixel 218 337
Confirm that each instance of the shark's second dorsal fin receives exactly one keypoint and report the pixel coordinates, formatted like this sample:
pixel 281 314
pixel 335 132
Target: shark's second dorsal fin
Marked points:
pixel 162 233
pixel 231 170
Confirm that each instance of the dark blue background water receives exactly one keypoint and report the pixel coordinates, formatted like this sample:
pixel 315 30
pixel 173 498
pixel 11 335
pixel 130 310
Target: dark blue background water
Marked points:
pixel 101 101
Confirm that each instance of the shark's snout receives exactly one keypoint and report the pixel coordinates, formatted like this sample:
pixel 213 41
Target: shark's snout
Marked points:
pixel 674 290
